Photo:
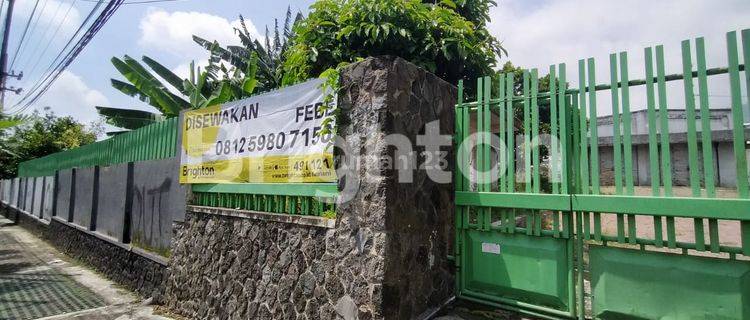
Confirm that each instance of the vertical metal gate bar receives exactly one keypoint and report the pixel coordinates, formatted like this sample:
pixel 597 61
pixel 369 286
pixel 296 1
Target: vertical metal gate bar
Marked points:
pixel 567 154
pixel 738 130
pixel 616 146
pixel 527 155
pixel 554 139
pixel 501 153
pixel 536 214
pixel 652 146
pixel 486 165
pixel 652 143
pixel 478 150
pixel 706 139
pixel 584 149
pixel 594 131
pixel 511 150
pixel 593 116
pixel 510 139
pixel 666 162
pixel 535 130
pixel 566 150
pixel 687 74
pixel 583 130
pixel 745 225
pixel 579 266
pixel 626 139
pixel 526 132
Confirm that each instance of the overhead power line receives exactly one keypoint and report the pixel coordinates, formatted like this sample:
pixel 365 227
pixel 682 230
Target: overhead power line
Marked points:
pixel 23 35
pixel 42 86
pixel 25 45
pixel 46 74
pixel 51 39
pixel 2 6
pixel 35 47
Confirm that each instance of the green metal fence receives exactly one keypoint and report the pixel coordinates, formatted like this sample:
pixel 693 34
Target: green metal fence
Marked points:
pixel 531 239
pixel 291 198
pixel 155 141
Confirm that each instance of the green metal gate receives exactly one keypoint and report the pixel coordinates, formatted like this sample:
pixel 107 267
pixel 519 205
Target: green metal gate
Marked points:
pixel 541 231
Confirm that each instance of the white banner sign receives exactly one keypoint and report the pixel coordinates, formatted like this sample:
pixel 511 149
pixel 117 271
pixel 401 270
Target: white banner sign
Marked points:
pixel 272 137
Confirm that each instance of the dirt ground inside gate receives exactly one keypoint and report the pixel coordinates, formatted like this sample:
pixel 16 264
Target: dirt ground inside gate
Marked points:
pixel 729 231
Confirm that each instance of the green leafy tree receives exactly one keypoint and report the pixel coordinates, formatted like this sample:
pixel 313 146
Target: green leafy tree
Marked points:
pixel 40 135
pixel 213 85
pixel 447 38
pixel 544 104
pixel 270 54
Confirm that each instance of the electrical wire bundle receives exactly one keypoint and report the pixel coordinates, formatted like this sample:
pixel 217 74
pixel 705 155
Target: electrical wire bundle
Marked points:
pixel 69 53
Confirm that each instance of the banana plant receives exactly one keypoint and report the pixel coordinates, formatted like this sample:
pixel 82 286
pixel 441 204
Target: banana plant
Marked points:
pixel 206 88
pixel 214 85
pixel 269 55
pixel 128 118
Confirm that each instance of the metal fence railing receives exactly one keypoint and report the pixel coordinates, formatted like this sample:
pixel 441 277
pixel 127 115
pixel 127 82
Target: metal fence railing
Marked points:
pixel 289 198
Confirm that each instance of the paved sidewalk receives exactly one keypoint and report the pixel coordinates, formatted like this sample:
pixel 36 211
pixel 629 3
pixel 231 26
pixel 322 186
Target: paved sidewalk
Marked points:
pixel 37 281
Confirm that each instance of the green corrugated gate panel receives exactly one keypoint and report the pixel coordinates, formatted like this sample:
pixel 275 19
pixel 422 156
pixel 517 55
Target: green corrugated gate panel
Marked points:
pixel 517 267
pixel 632 284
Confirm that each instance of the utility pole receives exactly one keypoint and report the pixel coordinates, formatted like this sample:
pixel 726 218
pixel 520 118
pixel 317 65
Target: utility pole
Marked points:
pixel 4 53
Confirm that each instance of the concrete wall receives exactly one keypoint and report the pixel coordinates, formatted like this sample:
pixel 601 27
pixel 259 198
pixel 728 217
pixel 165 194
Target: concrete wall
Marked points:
pixel 110 211
pixel 63 196
pixel 16 192
pixel 28 195
pixel 96 199
pixel 19 200
pixel 49 197
pixel 36 208
pixel 158 200
pixel 84 194
pixel 723 161
pixel 724 158
pixel 5 186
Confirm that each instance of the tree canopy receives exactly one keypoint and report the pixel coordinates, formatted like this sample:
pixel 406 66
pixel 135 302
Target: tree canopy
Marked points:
pixel 445 37
pixel 40 135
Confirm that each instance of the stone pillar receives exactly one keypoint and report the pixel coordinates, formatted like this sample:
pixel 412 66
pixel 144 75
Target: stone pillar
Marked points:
pixel 385 255
pixel 393 237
